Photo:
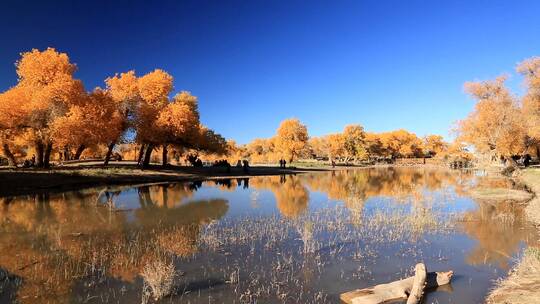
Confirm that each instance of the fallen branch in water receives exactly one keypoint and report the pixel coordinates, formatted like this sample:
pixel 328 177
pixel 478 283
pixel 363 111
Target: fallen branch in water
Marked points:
pixel 400 289
pixel 419 282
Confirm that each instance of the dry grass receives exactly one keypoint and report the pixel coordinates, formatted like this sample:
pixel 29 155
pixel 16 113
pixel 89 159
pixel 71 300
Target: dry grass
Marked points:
pixel 531 178
pixel 158 278
pixel 523 283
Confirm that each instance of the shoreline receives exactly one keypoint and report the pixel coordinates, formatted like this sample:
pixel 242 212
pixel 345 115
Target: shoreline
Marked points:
pixel 22 181
pixel 30 181
pixel 522 285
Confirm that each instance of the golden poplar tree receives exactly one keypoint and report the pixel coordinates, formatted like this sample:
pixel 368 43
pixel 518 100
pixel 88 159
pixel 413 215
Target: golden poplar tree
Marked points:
pixel 495 126
pixel 530 69
pixel 178 122
pixel 46 77
pixel 291 138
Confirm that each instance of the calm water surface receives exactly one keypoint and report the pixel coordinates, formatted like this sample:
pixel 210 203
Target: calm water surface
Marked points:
pixel 279 239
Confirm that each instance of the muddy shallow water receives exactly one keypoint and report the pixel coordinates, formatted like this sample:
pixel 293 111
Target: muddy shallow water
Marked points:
pixel 278 239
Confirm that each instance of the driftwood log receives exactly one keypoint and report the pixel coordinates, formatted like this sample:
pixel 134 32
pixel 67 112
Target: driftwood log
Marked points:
pixel 411 288
pixel 419 282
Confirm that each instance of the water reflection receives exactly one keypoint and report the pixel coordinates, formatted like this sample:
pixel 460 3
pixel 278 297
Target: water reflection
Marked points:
pixel 500 230
pixel 291 195
pixel 53 244
pixel 48 242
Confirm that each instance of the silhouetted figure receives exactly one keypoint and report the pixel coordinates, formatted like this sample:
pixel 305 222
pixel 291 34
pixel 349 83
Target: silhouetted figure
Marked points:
pixel 527 160
pixel 281 163
pixel 224 182
pixel 239 164
pixel 26 163
pixel 333 164
pixel 284 163
pixel 33 160
pixel 246 166
pixel 223 163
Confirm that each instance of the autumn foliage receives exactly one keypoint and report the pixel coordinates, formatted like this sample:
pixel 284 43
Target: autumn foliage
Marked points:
pixel 502 124
pixel 353 144
pixel 49 114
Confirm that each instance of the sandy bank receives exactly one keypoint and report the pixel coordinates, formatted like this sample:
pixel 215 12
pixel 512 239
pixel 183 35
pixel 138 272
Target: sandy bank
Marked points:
pixel 523 282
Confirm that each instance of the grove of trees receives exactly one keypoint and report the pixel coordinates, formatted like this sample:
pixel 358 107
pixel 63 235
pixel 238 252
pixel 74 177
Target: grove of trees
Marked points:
pixel 49 113
pixel 352 145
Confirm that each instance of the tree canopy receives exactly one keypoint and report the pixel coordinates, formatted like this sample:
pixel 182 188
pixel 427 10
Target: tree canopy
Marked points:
pixel 49 111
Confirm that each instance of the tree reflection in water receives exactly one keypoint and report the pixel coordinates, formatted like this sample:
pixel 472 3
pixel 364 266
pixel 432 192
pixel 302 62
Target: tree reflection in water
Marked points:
pixel 48 242
pixel 54 246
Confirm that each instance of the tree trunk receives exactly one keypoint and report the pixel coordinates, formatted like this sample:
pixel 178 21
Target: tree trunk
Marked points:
pixel 39 153
pixel 66 153
pixel 147 155
pixel 47 155
pixel 79 151
pixel 144 197
pixel 109 153
pixel 141 153
pixel 395 290
pixel 10 157
pixel 164 156
pixel 165 195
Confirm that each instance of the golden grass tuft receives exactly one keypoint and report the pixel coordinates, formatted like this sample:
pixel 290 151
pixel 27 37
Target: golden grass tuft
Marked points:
pixel 158 278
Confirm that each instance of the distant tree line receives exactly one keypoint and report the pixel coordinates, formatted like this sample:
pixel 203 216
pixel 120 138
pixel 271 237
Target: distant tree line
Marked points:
pixel 354 144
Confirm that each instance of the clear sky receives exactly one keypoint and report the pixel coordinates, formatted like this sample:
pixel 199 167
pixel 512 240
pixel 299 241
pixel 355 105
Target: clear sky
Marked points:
pixel 253 63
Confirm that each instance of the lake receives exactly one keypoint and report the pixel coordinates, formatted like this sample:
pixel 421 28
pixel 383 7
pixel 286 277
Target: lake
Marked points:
pixel 272 239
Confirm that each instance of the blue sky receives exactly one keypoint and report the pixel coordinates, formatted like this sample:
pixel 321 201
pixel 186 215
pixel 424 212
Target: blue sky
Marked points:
pixel 382 64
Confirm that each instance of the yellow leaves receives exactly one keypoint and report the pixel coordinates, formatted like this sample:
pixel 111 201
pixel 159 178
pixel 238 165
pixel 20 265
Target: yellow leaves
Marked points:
pixel 496 123
pixel 291 138
pixel 401 143
pixel 530 69
pixel 434 144
pixel 40 69
pixel 209 141
pixel 491 89
pixel 146 97
pixel 55 107
pixel 123 87
pixel 13 108
pixel 155 87
pixel 95 120
pixel 180 118
pixel 354 145
pixel 47 76
pixel 335 144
